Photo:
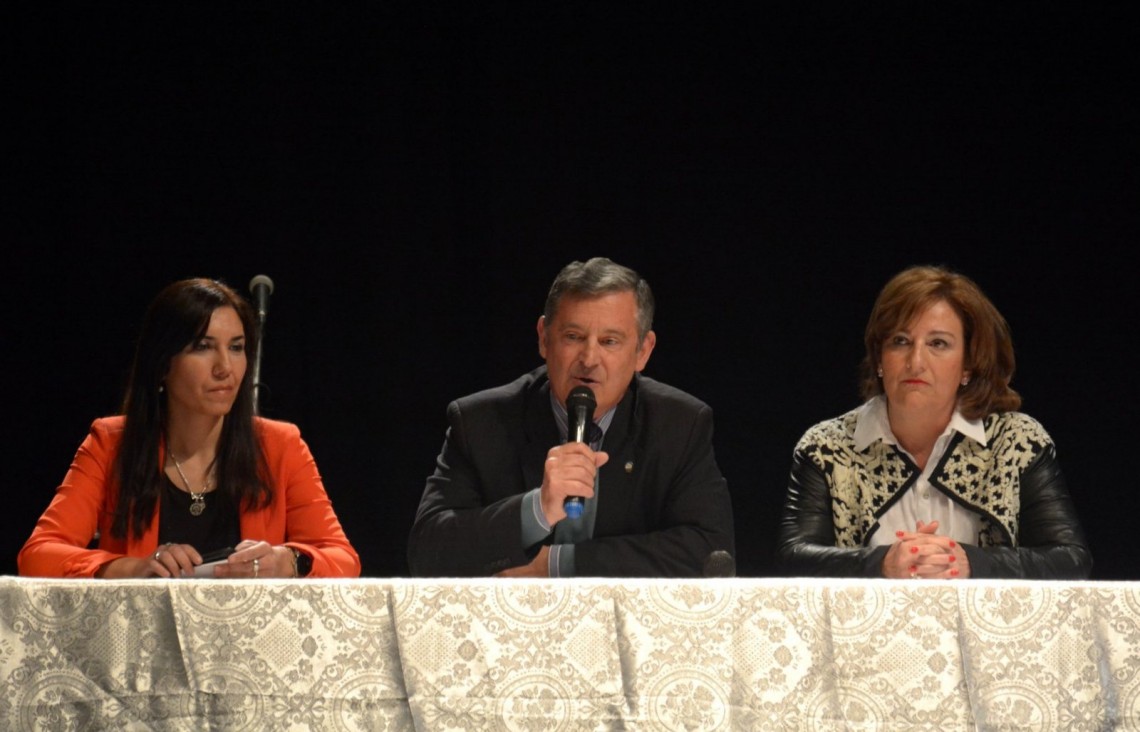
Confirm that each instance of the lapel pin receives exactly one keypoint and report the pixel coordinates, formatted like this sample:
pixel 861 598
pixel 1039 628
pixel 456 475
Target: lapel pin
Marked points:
pixel 629 467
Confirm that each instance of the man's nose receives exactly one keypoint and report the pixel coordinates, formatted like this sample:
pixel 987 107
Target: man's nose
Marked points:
pixel 589 353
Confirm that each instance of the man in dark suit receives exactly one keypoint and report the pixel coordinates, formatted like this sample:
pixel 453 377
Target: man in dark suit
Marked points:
pixel 656 504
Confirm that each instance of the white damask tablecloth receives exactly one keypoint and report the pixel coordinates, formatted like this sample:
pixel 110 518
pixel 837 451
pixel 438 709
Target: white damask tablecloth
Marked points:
pixel 747 654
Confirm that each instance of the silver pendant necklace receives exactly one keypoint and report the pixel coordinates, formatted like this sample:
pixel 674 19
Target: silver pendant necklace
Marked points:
pixel 197 500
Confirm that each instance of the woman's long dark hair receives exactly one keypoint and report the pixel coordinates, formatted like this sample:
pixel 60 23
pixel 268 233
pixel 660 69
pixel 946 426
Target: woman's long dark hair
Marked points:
pixel 177 317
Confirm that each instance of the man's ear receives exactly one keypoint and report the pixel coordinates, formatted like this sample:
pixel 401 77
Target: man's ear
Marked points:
pixel 645 348
pixel 541 330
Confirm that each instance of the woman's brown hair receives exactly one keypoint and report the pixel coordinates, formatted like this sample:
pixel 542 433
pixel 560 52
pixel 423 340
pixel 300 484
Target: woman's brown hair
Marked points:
pixel 989 348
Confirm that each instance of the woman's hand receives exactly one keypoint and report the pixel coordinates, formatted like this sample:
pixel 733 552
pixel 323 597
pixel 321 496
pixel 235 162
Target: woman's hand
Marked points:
pixel 256 559
pixel 251 559
pixel 924 554
pixel 169 560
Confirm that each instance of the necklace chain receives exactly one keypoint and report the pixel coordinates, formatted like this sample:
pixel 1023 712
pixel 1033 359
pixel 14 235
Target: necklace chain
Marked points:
pixel 197 500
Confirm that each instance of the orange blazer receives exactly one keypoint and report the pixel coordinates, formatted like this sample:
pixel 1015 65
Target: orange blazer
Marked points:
pixel 300 515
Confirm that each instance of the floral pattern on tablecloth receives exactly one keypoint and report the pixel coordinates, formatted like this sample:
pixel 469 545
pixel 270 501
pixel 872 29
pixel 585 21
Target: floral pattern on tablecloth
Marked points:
pixel 552 655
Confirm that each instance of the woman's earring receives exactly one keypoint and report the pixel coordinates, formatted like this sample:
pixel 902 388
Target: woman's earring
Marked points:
pixel 965 380
pixel 161 388
pixel 880 372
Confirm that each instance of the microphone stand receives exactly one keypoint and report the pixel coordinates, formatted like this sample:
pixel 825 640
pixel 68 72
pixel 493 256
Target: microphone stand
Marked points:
pixel 261 287
pixel 257 360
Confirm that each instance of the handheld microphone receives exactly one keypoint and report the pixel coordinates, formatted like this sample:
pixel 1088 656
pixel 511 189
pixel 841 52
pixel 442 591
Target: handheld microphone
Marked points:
pixel 719 563
pixel 580 406
pixel 261 287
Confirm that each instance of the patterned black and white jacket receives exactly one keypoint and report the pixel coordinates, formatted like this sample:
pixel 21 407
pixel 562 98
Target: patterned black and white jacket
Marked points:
pixel 836 495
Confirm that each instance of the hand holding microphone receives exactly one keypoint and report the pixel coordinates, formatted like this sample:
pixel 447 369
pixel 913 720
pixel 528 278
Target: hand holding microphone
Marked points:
pixel 568 477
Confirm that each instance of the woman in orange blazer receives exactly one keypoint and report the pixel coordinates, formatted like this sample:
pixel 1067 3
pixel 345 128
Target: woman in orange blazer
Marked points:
pixel 187 470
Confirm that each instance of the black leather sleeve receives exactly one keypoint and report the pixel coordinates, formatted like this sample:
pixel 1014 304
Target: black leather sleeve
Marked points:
pixel 1051 544
pixel 807 531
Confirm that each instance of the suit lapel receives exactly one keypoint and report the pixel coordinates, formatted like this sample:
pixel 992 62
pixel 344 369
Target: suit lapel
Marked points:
pixel 540 433
pixel 614 480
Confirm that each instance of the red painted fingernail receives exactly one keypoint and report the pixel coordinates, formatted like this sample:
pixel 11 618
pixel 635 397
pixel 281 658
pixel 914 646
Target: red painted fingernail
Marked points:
pixel 952 544
pixel 953 558
pixel 899 533
pixel 954 572
pixel 913 568
pixel 914 550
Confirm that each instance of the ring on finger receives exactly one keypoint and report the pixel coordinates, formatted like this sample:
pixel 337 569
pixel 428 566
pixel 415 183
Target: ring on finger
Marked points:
pixel 157 554
pixel 256 567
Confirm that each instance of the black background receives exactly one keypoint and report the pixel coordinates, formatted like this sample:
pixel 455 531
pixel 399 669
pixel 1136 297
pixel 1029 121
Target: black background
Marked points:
pixel 412 178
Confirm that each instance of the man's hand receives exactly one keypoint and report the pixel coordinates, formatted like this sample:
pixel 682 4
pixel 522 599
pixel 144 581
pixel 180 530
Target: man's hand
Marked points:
pixel 538 567
pixel 569 471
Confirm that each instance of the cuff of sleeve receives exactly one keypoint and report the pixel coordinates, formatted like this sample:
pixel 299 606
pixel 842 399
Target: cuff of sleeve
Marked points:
pixel 561 562
pixel 873 563
pixel 534 526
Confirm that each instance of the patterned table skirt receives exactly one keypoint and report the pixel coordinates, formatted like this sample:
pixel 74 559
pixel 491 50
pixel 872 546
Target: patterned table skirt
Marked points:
pixel 536 655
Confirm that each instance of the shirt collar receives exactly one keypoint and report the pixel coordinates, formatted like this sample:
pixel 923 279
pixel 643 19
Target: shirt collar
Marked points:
pixel 561 419
pixel 872 424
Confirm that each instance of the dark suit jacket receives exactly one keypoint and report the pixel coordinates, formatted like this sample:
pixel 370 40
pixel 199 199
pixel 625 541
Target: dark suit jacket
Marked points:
pixel 663 504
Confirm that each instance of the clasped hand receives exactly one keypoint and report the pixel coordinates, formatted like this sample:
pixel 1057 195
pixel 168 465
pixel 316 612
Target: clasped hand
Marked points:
pixel 924 554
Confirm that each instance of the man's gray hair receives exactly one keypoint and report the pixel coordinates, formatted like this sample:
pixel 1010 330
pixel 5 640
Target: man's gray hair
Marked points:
pixel 602 276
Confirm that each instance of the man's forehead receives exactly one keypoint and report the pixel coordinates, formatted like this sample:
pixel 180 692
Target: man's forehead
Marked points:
pixel 624 299
pixel 577 312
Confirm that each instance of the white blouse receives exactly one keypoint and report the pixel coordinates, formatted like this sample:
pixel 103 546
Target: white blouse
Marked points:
pixel 922 501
